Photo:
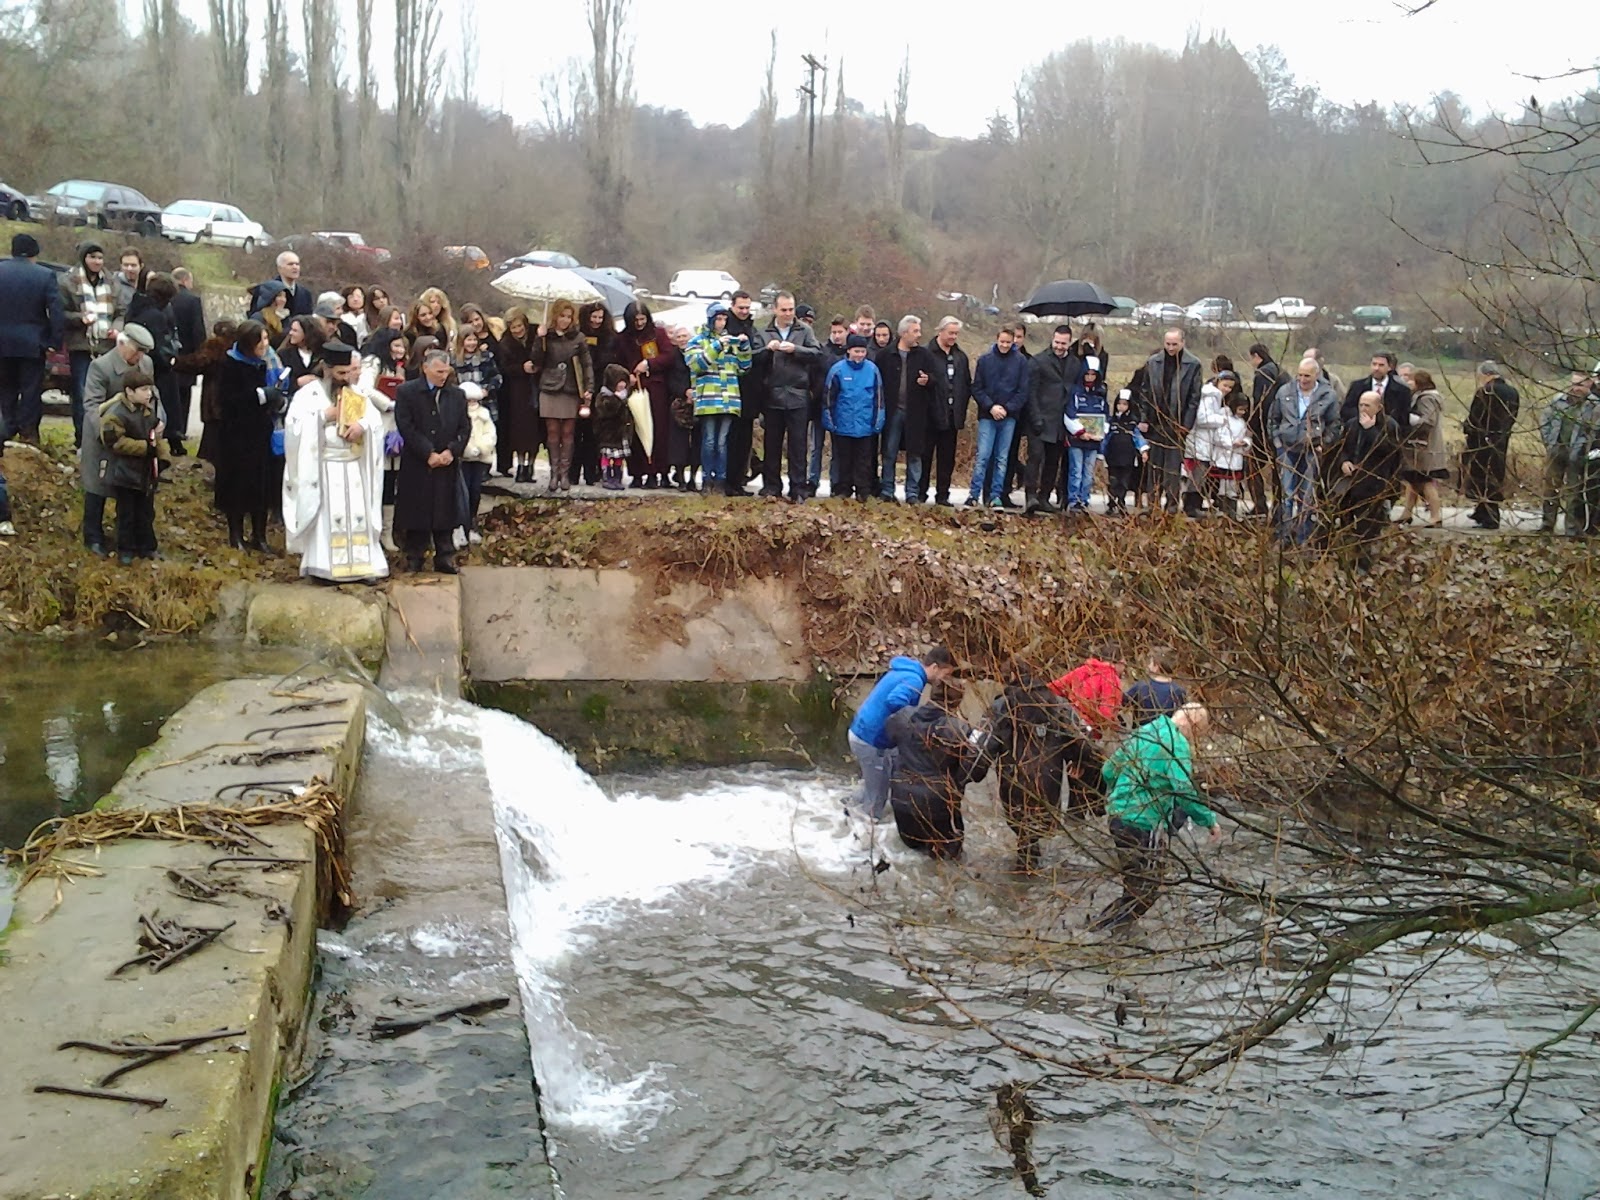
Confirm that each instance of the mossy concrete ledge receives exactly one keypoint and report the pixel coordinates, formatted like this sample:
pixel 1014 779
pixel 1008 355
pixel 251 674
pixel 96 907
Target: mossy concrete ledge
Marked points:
pixel 208 1142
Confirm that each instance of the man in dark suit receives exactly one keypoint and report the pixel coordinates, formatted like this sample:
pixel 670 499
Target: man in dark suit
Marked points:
pixel 432 419
pixel 301 298
pixel 1396 395
pixel 189 321
pixel 31 325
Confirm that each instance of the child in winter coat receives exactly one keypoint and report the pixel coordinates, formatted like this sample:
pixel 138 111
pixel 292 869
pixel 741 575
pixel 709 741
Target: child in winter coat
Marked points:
pixel 1124 449
pixel 1230 443
pixel 1094 688
pixel 478 456
pixel 1087 416
pixel 853 411
pixel 133 433
pixel 1215 404
pixel 613 425
pixel 475 363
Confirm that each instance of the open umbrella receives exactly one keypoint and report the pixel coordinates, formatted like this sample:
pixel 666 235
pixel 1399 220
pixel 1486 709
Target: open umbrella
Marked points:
pixel 546 285
pixel 1069 298
pixel 614 294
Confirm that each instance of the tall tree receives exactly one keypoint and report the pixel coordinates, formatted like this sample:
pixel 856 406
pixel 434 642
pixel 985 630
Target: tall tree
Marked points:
pixel 230 45
pixel 321 23
pixel 767 133
pixel 277 69
pixel 607 111
pixel 895 127
pixel 418 74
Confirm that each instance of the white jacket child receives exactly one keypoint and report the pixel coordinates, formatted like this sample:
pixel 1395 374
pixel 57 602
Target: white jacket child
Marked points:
pixel 1208 423
pixel 1229 443
pixel 480 442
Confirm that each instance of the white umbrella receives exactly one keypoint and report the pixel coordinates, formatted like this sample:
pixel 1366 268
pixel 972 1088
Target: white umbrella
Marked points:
pixel 546 285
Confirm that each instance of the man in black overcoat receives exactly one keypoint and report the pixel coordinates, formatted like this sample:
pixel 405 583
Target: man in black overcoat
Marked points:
pixel 431 415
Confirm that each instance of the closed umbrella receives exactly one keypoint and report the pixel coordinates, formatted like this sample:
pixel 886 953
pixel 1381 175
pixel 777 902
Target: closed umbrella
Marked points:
pixel 614 294
pixel 1069 298
pixel 546 285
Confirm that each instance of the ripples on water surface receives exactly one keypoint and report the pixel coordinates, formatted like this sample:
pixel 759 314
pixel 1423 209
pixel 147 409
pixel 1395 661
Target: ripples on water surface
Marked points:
pixel 715 1011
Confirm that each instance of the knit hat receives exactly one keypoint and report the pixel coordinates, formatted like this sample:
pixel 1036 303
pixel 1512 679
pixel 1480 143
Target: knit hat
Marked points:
pixel 139 336
pixel 1488 367
pixel 24 245
pixel 805 313
pixel 855 340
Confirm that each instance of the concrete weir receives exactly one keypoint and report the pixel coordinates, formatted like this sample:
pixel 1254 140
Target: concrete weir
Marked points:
pixel 71 932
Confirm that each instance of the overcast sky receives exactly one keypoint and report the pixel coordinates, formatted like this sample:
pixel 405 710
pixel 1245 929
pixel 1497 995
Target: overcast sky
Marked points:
pixel 709 59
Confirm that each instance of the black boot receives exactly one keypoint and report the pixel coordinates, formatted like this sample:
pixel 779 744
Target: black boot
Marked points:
pixel 258 534
pixel 236 531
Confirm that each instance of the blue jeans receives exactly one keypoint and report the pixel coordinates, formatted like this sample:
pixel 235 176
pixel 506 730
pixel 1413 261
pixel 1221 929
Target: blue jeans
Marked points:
pixel 893 431
pixel 5 499
pixel 1080 472
pixel 814 476
pixel 1297 475
pixel 714 432
pixel 877 767
pixel 994 447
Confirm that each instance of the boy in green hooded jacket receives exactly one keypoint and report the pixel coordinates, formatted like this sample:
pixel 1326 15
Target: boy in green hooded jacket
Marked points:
pixel 1148 779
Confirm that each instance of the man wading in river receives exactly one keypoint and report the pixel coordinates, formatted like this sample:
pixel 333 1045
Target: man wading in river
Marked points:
pixel 901 686
pixel 1149 778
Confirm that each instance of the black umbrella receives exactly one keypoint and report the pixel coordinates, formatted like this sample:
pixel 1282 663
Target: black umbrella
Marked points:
pixel 1069 298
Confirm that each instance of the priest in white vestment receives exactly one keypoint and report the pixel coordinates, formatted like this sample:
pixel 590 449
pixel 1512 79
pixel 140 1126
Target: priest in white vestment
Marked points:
pixel 333 474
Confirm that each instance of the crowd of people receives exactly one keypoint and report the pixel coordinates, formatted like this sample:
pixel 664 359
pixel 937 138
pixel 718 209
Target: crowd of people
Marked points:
pixel 411 407
pixel 1075 747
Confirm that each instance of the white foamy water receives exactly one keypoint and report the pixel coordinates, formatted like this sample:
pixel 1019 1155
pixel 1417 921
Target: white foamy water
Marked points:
pixel 576 861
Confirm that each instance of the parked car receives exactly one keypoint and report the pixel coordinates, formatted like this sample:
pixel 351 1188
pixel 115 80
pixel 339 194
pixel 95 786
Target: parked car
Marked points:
pixel 541 258
pixel 15 204
pixel 1284 308
pixel 191 220
pixel 1209 310
pixel 352 242
pixel 1158 312
pixel 472 256
pixel 704 285
pixel 1366 315
pixel 768 295
pixel 628 278
pixel 103 205
pixel 1125 306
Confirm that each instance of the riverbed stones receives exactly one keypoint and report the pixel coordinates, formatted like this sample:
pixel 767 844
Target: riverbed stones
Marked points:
pixel 320 619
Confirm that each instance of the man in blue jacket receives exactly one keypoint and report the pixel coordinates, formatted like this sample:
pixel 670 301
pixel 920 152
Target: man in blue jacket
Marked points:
pixel 870 742
pixel 1000 387
pixel 31 326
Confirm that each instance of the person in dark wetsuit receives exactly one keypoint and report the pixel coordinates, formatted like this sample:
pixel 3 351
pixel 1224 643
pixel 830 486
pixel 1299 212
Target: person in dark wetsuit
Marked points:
pixel 1041 740
pixel 938 755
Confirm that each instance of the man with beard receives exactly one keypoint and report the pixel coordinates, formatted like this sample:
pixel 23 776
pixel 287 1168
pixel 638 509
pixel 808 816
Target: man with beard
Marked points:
pixel 741 436
pixel 333 474
pixel 1173 378
pixel 1051 378
pixel 1389 386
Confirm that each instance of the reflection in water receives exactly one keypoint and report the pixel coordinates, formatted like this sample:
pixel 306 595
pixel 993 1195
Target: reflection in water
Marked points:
pixel 73 715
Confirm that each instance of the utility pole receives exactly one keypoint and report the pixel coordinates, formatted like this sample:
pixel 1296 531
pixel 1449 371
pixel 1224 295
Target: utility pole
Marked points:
pixel 809 91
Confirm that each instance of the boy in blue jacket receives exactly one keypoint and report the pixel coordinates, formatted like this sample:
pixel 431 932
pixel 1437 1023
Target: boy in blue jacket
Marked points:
pixel 870 742
pixel 853 412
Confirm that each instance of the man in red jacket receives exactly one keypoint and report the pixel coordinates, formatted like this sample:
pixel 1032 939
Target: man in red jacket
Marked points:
pixel 1095 688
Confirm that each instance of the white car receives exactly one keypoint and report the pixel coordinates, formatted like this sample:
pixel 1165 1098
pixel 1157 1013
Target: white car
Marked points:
pixel 191 220
pixel 703 285
pixel 1285 308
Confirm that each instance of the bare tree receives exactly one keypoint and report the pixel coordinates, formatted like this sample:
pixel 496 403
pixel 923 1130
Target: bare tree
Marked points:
pixel 366 88
pixel 895 131
pixel 230 43
pixel 607 108
pixel 321 23
pixel 767 133
pixel 418 74
pixel 276 81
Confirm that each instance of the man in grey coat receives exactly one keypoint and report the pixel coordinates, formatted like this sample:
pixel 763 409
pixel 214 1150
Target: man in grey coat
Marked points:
pixel 1304 425
pixel 104 380
pixel 788 351
pixel 1171 402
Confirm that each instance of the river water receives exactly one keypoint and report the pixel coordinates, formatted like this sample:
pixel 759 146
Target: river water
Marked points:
pixel 715 1010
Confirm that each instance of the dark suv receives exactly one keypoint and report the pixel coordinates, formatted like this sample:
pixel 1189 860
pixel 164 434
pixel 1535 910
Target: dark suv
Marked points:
pixel 102 205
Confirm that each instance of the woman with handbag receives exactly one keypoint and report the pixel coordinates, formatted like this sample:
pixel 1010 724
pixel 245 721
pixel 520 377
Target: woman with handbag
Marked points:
pixel 566 386
pixel 248 400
